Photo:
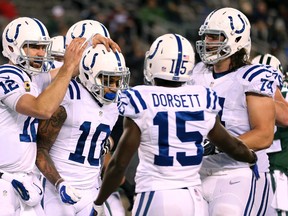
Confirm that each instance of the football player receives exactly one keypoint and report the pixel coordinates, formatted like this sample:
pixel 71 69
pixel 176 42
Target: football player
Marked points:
pixel 278 150
pixel 86 29
pixel 70 144
pixel 167 122
pixel 25 43
pixel 246 96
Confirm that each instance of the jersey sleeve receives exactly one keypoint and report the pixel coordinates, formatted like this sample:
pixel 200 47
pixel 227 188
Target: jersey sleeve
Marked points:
pixel 131 104
pixel 259 79
pixel 12 85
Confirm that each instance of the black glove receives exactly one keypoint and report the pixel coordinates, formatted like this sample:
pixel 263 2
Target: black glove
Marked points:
pixel 209 148
pixel 107 146
pixel 129 191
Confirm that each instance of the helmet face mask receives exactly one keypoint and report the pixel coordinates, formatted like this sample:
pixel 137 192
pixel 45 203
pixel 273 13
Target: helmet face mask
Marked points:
pixel 230 23
pixel 19 42
pixel 103 73
pixel 170 57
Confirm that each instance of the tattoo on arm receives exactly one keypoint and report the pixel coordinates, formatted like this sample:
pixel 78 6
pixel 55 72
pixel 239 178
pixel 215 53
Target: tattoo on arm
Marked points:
pixel 47 133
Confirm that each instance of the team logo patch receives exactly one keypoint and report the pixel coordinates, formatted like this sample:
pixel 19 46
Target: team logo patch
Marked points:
pixel 27 86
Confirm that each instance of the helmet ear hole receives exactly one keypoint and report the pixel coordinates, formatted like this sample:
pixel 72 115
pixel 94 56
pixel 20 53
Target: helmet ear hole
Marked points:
pixel 86 76
pixel 11 49
pixel 238 39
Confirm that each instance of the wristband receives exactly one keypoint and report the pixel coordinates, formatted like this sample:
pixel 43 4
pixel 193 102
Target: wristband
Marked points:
pixel 58 182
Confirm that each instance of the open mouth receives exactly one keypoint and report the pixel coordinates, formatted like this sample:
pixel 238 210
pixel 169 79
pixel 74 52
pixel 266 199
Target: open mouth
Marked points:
pixel 36 64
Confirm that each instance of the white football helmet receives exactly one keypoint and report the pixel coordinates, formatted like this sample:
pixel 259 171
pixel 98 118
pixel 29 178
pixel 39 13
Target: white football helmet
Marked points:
pixel 170 57
pixel 98 71
pixel 86 28
pixel 26 32
pixel 58 45
pixel 268 59
pixel 230 23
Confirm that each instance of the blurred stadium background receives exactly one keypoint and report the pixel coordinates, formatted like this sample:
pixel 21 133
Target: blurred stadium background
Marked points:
pixel 134 24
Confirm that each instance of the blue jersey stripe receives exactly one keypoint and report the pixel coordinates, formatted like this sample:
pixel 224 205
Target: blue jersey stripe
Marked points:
pixel 252 74
pixel 74 90
pixel 132 102
pixel 138 95
pixel 208 98
pixel 11 70
pixel 249 70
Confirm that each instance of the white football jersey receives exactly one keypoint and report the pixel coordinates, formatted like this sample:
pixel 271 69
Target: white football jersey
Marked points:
pixel 173 123
pixel 231 89
pixel 76 151
pixel 18 132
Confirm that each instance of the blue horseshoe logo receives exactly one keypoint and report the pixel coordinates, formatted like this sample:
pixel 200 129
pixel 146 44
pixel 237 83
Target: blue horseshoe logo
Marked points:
pixel 153 54
pixel 82 33
pixel 11 40
pixel 232 26
pixel 92 63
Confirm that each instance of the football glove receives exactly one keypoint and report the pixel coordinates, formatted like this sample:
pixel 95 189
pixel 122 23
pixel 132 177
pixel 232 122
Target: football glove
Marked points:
pixel 209 148
pixel 68 194
pixel 97 210
pixel 26 186
pixel 107 146
pixel 129 191
pixel 254 166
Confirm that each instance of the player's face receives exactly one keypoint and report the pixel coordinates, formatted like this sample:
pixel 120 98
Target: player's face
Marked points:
pixel 38 51
pixel 112 82
pixel 211 40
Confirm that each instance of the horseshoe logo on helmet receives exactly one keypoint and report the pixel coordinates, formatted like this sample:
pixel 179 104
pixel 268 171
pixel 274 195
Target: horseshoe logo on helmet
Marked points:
pixel 81 34
pixel 237 31
pixel 11 40
pixel 155 51
pixel 92 63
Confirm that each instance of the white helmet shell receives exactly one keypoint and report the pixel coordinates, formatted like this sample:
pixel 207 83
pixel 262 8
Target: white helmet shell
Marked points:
pixel 86 28
pixel 170 57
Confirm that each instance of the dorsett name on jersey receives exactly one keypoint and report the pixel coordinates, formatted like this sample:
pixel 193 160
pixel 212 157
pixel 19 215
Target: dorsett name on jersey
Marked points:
pixel 170 100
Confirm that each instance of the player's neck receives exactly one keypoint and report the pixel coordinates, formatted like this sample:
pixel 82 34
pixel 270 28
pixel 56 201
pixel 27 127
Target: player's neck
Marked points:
pixel 222 66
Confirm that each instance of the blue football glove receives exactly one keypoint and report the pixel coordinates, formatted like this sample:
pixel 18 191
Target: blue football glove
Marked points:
pixel 20 189
pixel 97 210
pixel 26 186
pixel 254 166
pixel 255 171
pixel 68 194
